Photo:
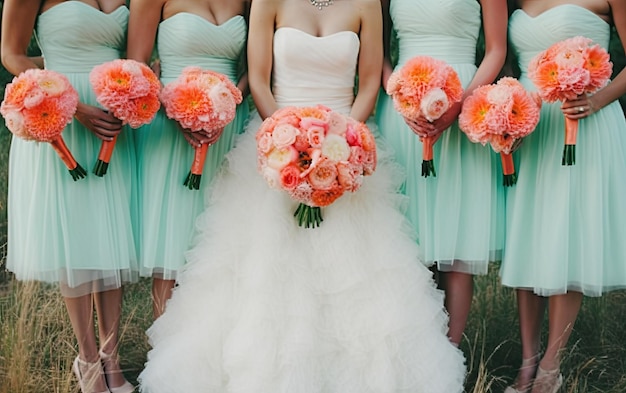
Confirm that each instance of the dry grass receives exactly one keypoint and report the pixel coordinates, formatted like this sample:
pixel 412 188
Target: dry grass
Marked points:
pixel 37 344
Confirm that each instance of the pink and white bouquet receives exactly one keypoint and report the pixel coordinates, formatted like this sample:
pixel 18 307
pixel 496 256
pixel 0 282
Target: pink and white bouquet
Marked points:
pixel 37 106
pixel 130 91
pixel 201 100
pixel 315 155
pixel 425 88
pixel 566 70
pixel 500 114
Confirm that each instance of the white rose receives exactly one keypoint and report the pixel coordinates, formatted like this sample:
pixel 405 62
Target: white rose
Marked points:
pixel 434 104
pixel 335 148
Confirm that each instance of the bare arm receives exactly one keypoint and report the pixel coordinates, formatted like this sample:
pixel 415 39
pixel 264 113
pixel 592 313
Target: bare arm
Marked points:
pixel 260 55
pixel 18 23
pixel 370 60
pixel 387 28
pixel 617 87
pixel 145 16
pixel 495 27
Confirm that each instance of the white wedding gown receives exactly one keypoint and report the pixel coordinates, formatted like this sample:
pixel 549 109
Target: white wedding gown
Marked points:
pixel 265 306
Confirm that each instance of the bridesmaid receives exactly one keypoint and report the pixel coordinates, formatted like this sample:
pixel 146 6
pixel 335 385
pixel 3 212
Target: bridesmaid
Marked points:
pixel 188 33
pixel 565 224
pixel 78 234
pixel 459 213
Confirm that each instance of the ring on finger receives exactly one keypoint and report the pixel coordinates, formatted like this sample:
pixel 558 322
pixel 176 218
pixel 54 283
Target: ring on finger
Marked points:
pixel 581 109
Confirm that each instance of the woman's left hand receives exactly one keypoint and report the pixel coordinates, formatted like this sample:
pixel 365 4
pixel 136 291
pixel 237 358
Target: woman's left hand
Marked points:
pixel 578 108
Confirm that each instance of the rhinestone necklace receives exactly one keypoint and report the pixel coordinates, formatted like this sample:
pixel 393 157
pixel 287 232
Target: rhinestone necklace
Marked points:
pixel 320 4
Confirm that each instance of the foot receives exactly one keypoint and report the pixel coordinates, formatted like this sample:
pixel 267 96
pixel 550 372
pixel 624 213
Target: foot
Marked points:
pixel 90 376
pixel 525 376
pixel 547 381
pixel 113 374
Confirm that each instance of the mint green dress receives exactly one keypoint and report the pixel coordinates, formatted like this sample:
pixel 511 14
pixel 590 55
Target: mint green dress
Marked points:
pixel 78 233
pixel 565 224
pixel 168 209
pixel 459 214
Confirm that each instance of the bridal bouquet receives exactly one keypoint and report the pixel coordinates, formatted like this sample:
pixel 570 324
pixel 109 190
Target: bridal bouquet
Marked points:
pixel 315 155
pixel 201 100
pixel 500 114
pixel 130 91
pixel 566 70
pixel 425 88
pixel 37 106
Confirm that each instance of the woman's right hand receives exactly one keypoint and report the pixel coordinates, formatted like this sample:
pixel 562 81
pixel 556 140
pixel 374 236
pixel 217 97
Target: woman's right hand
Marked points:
pixel 197 138
pixel 104 125
pixel 421 127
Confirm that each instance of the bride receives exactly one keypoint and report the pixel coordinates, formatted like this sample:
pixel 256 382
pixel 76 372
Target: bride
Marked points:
pixel 266 306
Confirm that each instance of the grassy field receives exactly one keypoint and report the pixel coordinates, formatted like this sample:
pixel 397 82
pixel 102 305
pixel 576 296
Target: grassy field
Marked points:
pixel 37 345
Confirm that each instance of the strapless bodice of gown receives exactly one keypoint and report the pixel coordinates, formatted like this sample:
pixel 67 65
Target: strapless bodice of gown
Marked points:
pixel 444 29
pixel 75 37
pixel 531 35
pixel 186 38
pixel 310 70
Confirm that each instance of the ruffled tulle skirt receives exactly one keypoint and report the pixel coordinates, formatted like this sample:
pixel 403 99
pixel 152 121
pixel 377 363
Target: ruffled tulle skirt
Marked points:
pixel 266 306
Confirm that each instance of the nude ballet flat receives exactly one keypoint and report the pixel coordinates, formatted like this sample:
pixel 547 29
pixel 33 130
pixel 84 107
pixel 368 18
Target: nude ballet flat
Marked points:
pixel 126 387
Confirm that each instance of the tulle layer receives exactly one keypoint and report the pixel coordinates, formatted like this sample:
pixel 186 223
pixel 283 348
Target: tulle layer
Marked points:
pixel 79 233
pixel 266 306
pixel 565 224
pixel 459 213
pixel 168 208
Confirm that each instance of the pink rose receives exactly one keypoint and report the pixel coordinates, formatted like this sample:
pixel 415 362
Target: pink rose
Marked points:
pixel 265 143
pixel 316 136
pixel 290 177
pixel 337 123
pixel 349 176
pixel 284 135
pixel 352 136
pixel 323 176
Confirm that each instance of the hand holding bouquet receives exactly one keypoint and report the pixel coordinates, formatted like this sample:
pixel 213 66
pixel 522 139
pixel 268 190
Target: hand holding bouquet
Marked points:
pixel 425 88
pixel 130 91
pixel 500 114
pixel 566 70
pixel 201 100
pixel 37 105
pixel 315 155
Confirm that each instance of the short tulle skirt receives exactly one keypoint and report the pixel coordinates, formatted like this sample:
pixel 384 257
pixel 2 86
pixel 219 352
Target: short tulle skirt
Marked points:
pixel 565 224
pixel 76 233
pixel 266 306
pixel 459 213
pixel 168 208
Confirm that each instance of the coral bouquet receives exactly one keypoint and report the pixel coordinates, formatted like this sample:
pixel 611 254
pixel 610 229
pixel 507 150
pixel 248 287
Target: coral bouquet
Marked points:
pixel 425 88
pixel 201 100
pixel 315 155
pixel 500 114
pixel 566 70
pixel 37 106
pixel 129 90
